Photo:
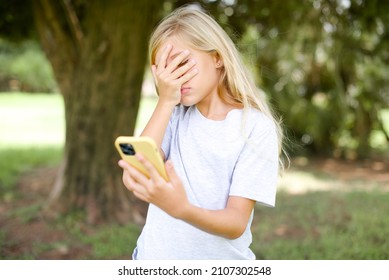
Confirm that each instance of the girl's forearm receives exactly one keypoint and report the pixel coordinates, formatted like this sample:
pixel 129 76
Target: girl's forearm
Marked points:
pixel 230 222
pixel 156 126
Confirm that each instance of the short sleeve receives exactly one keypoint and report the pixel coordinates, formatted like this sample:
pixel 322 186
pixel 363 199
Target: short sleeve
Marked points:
pixel 256 171
pixel 165 146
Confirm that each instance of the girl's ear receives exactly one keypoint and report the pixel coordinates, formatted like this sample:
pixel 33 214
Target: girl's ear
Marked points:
pixel 218 61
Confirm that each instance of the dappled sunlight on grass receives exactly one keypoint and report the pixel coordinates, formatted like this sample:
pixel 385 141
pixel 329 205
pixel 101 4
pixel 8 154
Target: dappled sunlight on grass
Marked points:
pixel 29 120
pixel 334 175
pixel 297 182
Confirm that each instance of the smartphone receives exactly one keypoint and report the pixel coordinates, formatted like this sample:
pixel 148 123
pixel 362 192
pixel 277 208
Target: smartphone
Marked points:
pixel 128 146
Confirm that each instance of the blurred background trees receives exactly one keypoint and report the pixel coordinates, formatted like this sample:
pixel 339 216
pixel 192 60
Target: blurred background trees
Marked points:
pixel 97 51
pixel 323 64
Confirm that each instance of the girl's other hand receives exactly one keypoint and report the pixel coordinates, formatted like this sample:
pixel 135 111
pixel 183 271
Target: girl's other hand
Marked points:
pixel 169 196
pixel 170 76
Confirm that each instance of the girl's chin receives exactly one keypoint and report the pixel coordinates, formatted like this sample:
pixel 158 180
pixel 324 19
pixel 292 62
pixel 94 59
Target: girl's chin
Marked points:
pixel 187 102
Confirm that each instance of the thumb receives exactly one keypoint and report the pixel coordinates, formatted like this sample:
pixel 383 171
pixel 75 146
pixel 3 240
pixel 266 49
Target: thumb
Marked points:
pixel 171 173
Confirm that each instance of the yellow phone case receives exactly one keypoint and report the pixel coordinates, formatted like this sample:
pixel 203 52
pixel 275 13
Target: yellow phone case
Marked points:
pixel 127 146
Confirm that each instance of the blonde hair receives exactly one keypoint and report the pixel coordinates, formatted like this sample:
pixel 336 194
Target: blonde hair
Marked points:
pixel 201 32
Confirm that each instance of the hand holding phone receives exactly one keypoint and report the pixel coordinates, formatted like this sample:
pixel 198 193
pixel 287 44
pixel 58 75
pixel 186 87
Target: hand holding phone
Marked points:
pixel 128 146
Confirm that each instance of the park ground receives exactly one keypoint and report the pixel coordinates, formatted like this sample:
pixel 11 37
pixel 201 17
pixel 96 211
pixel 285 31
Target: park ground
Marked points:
pixel 27 234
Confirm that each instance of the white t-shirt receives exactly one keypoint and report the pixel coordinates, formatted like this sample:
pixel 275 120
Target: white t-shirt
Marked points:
pixel 215 160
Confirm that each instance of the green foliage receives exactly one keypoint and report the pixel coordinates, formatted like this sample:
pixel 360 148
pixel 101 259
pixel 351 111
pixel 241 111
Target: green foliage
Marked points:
pixel 24 67
pixel 16 19
pixel 324 65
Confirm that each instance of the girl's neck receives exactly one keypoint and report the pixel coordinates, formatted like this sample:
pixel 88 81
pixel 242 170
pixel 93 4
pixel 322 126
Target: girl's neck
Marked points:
pixel 215 108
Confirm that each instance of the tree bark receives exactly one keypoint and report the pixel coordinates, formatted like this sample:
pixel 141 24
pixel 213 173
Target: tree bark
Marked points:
pixel 98 51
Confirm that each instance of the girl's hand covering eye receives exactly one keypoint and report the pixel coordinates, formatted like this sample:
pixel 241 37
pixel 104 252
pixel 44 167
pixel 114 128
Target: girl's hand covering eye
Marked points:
pixel 170 75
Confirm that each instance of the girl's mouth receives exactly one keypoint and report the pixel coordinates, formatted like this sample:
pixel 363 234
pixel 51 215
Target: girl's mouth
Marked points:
pixel 185 90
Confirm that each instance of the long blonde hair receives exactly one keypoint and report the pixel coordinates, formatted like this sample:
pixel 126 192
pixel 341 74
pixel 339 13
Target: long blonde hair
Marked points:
pixel 201 32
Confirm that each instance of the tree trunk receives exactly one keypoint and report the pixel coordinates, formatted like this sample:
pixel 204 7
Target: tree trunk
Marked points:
pixel 98 51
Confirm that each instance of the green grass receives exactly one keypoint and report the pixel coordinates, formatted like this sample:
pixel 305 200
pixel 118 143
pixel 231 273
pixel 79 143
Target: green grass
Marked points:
pixel 14 161
pixel 37 120
pixel 32 132
pixel 105 242
pixel 31 135
pixel 324 225
pixel 112 242
pixel 31 120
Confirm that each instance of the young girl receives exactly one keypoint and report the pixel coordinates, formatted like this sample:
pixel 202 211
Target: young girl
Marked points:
pixel 218 137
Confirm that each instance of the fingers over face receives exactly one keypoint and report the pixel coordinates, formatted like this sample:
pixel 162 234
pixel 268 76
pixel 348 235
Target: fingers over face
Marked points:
pixel 165 59
pixel 188 75
pixel 177 60
pixel 162 57
pixel 184 69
